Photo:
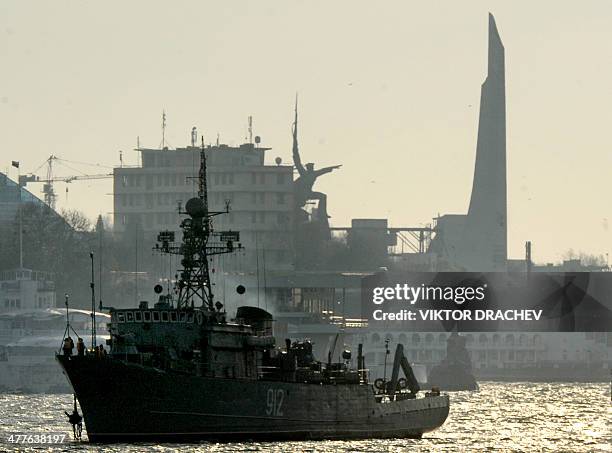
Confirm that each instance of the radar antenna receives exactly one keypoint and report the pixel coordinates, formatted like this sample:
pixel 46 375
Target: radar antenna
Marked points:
pixel 199 243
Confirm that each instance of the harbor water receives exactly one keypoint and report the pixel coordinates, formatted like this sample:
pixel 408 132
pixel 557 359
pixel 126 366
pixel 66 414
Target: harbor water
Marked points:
pixel 522 417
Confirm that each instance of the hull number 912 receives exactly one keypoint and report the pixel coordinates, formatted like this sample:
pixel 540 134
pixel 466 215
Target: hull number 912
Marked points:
pixel 274 402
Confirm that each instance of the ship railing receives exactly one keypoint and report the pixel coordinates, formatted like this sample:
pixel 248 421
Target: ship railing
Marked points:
pixel 264 372
pixel 364 375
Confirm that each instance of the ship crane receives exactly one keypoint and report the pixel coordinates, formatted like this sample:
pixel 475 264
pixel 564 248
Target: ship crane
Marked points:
pixel 49 193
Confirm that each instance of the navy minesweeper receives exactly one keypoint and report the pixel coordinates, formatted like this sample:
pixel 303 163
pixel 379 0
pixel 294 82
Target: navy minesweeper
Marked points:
pixel 183 371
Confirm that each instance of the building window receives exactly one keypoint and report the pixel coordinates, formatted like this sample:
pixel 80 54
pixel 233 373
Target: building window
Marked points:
pixel 230 178
pixel 280 178
pixel 280 198
pixel 146 160
pixel 253 217
pixel 262 178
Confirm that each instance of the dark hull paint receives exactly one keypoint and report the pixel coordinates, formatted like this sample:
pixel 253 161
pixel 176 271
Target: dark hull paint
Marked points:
pixel 123 401
pixel 452 378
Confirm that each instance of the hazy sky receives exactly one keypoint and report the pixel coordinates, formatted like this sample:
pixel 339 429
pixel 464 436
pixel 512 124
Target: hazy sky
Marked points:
pixel 389 89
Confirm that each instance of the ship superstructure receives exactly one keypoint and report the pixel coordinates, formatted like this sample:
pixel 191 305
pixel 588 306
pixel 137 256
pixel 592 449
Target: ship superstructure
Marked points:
pixel 181 369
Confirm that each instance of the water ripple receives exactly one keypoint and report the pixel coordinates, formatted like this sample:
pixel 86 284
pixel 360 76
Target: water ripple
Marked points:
pixel 501 417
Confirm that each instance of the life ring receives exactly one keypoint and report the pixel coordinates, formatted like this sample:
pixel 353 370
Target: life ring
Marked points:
pixel 379 383
pixel 402 383
pixel 199 318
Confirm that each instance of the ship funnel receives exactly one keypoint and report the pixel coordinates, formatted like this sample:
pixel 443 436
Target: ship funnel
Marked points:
pixel 256 317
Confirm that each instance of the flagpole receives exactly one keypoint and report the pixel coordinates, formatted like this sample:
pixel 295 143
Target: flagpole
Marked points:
pixel 20 233
pixel 20 217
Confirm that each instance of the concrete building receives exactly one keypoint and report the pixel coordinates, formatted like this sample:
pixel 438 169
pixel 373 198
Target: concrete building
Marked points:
pixel 544 356
pixel 260 196
pixel 478 241
pixel 11 195
pixel 21 288
pixel 26 289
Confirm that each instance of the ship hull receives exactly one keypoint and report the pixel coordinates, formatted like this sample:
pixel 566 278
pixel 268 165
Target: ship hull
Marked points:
pixel 128 402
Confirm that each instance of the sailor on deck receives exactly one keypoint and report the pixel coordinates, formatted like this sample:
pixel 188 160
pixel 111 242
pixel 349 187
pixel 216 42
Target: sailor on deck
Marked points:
pixel 80 347
pixel 68 346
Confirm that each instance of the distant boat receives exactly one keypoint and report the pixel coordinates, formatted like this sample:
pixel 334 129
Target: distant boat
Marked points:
pixel 30 337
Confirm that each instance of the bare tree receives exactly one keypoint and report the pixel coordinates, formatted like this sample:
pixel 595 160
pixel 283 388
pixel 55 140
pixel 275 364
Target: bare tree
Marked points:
pixel 586 259
pixel 76 220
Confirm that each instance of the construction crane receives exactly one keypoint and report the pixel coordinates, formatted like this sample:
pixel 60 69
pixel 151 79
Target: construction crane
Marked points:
pixel 48 191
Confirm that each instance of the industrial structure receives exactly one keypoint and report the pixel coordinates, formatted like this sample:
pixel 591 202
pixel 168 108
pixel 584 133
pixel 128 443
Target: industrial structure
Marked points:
pixel 49 193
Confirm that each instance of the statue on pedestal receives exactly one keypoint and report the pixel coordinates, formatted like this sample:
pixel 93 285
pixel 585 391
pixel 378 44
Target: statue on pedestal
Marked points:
pixel 304 183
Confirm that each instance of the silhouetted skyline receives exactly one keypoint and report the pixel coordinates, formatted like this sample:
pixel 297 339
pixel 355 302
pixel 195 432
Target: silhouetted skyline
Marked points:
pixel 388 92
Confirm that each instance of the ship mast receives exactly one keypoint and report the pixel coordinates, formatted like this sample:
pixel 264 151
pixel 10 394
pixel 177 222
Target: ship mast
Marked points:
pixel 207 229
pixel 199 243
